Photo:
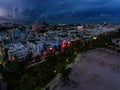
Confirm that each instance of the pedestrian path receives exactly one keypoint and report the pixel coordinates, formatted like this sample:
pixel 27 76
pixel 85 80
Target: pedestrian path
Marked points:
pixel 54 82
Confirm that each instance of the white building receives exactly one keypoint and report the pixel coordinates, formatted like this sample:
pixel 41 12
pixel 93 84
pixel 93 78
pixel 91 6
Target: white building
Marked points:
pixel 35 47
pixel 17 50
pixel 81 28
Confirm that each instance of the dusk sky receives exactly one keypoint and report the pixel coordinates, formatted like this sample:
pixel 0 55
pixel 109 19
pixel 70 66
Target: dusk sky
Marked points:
pixel 61 11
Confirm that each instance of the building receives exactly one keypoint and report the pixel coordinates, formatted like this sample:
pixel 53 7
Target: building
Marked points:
pixel 16 50
pixel 34 46
pixel 81 28
pixel 1 51
pixel 35 27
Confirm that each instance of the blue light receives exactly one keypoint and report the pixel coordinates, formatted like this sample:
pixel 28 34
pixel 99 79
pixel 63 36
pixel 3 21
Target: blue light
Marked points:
pixel 56 44
pixel 40 47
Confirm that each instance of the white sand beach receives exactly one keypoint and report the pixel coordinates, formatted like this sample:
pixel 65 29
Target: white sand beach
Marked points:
pixel 96 70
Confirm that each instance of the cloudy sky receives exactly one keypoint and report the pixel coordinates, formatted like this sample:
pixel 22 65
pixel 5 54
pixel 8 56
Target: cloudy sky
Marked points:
pixel 61 11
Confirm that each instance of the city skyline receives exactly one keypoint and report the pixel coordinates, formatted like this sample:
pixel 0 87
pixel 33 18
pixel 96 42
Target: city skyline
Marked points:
pixel 61 11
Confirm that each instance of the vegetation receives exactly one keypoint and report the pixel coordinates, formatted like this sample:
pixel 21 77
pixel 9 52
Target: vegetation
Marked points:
pixel 65 75
pixel 35 78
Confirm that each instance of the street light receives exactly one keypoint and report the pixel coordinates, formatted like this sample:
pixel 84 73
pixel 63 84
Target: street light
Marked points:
pixel 55 71
pixel 94 37
pixel 67 60
pixel 51 48
pixel 13 58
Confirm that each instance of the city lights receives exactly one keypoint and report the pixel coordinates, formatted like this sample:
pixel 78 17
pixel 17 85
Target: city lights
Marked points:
pixel 94 38
pixel 61 45
pixel 51 48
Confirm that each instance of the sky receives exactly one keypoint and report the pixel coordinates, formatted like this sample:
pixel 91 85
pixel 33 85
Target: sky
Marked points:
pixel 61 11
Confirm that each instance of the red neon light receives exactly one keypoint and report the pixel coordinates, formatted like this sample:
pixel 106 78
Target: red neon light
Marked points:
pixel 69 42
pixel 63 46
pixel 51 48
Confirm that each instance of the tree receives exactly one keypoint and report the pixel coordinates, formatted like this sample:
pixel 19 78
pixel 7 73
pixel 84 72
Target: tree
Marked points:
pixel 65 75
pixel 27 82
pixel 119 31
pixel 37 58
pixel 29 57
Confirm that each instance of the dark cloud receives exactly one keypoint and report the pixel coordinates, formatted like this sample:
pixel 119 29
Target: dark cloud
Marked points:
pixel 59 10
pixel 61 3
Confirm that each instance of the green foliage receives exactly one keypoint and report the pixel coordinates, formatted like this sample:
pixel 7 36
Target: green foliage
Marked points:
pixel 65 74
pixel 35 78
pixel 27 82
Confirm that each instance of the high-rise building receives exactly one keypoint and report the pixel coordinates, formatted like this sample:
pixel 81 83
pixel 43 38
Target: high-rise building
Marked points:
pixel 36 27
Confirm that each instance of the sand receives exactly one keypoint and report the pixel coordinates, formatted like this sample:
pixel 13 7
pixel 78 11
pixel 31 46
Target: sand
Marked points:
pixel 96 70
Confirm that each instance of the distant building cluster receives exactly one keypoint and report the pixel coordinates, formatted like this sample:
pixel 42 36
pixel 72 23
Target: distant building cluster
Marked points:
pixel 36 27
pixel 16 43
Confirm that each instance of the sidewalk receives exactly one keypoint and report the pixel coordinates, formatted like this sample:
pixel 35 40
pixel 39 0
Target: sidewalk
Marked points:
pixel 54 82
pixel 31 65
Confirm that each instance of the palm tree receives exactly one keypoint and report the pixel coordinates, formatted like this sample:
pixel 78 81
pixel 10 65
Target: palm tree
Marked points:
pixel 27 82
pixel 117 42
pixel 65 75
pixel 29 57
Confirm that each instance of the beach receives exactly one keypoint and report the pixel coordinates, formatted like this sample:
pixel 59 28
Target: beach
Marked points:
pixel 97 69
